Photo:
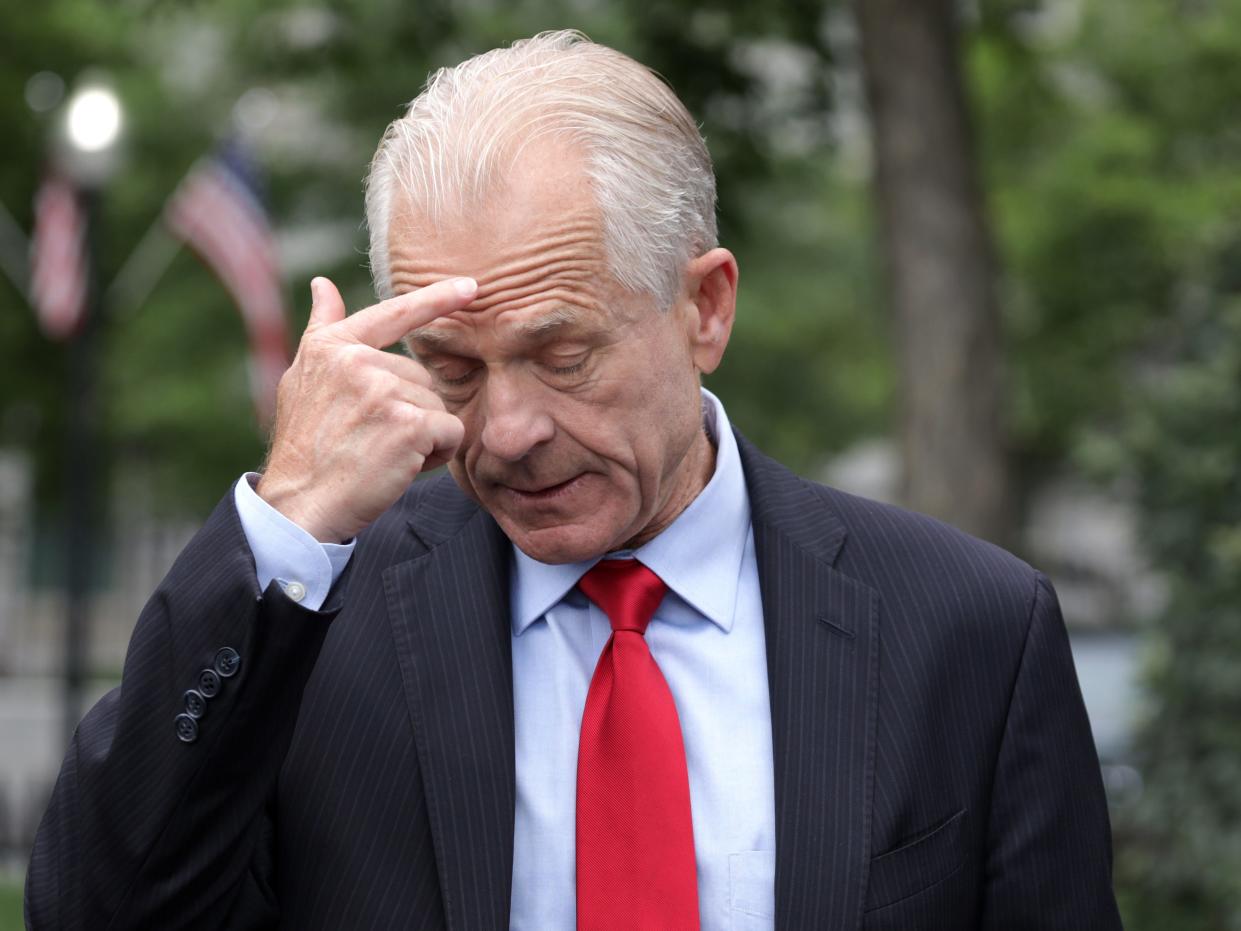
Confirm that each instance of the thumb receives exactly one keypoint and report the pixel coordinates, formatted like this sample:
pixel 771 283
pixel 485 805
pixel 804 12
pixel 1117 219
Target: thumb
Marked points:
pixel 326 304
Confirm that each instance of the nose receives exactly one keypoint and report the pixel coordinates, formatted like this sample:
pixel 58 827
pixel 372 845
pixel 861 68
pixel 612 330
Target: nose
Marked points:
pixel 515 420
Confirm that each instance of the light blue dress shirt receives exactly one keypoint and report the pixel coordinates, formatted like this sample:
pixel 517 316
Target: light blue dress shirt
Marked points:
pixel 283 551
pixel 706 636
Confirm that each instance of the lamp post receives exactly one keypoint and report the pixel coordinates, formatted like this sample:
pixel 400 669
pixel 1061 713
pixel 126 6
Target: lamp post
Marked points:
pixel 86 147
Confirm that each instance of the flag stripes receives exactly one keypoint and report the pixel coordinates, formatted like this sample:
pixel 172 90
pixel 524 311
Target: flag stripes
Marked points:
pixel 58 260
pixel 216 211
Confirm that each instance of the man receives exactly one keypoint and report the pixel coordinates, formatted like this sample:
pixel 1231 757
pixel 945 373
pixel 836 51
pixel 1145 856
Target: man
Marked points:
pixel 357 702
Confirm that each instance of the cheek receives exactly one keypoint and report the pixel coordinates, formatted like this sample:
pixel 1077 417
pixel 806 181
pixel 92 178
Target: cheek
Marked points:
pixel 631 422
pixel 648 433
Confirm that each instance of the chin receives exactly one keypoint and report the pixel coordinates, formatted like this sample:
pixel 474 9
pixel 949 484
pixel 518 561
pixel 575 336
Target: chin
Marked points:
pixel 560 544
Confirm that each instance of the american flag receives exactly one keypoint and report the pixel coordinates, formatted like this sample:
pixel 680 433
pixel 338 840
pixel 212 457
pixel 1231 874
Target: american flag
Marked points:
pixel 58 261
pixel 218 212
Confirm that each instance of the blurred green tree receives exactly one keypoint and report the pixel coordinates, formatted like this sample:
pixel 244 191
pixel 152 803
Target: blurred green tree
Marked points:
pixel 1180 844
pixel 1110 152
pixel 1111 148
pixel 313 88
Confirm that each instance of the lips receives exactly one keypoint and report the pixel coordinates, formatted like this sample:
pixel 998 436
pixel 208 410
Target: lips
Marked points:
pixel 536 493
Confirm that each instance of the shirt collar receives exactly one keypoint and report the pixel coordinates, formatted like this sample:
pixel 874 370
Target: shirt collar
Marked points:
pixel 698 555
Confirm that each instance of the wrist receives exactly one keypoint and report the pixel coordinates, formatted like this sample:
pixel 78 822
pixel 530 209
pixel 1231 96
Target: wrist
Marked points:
pixel 297 505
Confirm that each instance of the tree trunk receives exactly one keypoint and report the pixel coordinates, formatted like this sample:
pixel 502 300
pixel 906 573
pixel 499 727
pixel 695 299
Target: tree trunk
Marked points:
pixel 940 265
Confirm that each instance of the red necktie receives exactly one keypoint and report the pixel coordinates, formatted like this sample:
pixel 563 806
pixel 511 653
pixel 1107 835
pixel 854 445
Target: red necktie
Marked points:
pixel 635 839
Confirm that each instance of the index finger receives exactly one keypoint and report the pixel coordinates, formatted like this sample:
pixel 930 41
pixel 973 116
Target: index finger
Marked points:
pixel 383 324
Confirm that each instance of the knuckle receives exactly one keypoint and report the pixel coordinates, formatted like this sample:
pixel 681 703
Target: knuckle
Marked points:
pixel 404 414
pixel 357 378
pixel 386 383
pixel 351 355
pixel 377 387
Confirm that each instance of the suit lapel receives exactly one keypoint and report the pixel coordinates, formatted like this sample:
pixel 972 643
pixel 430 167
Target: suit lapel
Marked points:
pixel 450 623
pixel 822 639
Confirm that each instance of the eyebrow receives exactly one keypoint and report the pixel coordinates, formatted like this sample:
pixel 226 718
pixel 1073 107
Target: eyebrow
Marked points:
pixel 555 320
pixel 431 337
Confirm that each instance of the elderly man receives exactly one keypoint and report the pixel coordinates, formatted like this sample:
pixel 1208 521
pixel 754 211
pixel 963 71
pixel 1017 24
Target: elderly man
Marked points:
pixel 619 670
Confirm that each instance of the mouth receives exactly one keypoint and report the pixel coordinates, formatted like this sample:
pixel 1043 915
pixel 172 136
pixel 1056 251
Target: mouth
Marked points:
pixel 545 493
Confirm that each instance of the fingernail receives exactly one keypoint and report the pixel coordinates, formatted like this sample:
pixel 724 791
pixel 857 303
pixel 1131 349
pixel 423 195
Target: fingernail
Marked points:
pixel 465 286
pixel 314 291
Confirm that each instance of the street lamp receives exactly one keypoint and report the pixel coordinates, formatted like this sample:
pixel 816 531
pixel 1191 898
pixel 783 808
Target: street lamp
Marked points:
pixel 89 130
pixel 93 120
pixel 86 145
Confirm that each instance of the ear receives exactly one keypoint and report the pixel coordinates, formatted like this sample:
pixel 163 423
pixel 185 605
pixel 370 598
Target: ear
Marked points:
pixel 711 300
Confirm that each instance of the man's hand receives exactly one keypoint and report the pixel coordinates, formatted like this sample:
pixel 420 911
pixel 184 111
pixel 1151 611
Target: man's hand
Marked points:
pixel 355 424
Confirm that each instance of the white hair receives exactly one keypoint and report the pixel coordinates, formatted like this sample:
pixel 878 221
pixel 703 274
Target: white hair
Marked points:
pixel 646 160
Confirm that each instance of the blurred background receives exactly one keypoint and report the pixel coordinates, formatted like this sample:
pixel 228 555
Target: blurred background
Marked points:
pixel 991 270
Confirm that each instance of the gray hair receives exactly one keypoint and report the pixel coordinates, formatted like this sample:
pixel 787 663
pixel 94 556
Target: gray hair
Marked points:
pixel 647 162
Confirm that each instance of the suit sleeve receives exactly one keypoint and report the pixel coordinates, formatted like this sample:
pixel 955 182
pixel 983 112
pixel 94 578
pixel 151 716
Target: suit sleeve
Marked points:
pixel 1049 864
pixel 158 818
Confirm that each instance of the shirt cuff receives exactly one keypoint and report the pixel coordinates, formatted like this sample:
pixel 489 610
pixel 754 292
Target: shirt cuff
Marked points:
pixel 305 568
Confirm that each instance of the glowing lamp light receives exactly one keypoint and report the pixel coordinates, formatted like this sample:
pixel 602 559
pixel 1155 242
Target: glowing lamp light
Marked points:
pixel 94 119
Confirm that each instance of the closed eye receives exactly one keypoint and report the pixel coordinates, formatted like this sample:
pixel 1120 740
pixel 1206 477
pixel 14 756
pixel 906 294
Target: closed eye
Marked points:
pixel 567 369
pixel 461 380
pixel 445 372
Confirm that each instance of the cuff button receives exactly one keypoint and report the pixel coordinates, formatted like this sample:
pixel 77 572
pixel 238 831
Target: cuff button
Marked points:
pixel 195 704
pixel 187 728
pixel 227 661
pixel 296 591
pixel 208 683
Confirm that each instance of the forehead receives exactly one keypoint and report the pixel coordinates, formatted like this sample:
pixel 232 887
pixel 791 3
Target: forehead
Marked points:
pixel 535 244
pixel 542 202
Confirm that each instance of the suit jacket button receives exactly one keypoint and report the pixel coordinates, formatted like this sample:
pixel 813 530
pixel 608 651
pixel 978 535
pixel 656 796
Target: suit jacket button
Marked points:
pixel 227 660
pixel 187 728
pixel 208 683
pixel 195 704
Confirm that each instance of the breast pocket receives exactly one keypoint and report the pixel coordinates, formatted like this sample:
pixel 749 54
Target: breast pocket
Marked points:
pixel 919 864
pixel 752 890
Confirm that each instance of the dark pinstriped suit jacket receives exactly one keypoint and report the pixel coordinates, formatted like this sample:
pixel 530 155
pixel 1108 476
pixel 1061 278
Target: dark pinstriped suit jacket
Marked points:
pixel 934 767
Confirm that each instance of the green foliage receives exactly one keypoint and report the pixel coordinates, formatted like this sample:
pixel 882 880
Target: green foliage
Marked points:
pixel 1181 844
pixel 11 907
pixel 1111 148
pixel 807 372
pixel 1109 140
pixel 808 369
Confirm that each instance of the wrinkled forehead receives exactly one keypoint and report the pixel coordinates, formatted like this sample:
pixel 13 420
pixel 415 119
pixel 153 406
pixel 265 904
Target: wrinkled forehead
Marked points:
pixel 543 183
pixel 552 272
pixel 535 245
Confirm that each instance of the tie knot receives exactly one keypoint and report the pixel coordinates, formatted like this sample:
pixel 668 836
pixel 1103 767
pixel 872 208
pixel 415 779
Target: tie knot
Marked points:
pixel 626 591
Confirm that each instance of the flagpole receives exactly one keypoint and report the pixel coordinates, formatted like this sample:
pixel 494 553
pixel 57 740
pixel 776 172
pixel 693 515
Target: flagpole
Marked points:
pixel 91 129
pixel 14 251
pixel 143 270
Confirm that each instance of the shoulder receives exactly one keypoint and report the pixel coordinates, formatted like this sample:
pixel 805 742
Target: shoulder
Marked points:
pixel 954 611
pixel 927 569
pixel 922 569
